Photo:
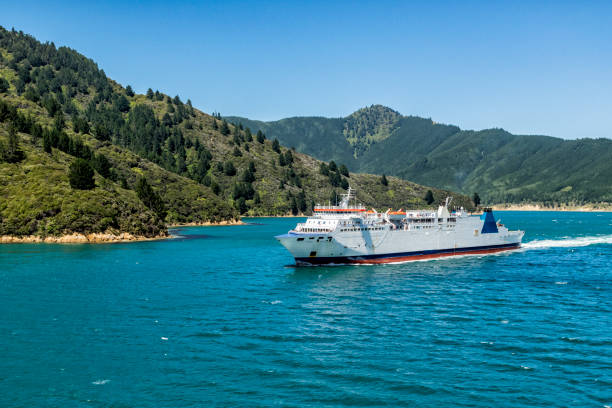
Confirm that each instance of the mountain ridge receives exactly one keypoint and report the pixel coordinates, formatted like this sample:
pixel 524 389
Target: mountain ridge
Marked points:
pixel 500 166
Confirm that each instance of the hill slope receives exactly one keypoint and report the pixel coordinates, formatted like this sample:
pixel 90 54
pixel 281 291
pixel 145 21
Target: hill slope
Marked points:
pixel 157 160
pixel 502 167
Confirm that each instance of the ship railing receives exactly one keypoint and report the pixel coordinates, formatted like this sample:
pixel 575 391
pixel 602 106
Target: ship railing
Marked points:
pixel 302 227
pixel 339 207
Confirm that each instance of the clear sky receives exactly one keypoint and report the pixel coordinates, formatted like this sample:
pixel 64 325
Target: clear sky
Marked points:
pixel 529 67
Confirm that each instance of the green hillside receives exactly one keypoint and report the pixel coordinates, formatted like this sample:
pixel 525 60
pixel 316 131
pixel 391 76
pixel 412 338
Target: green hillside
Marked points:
pixel 501 167
pixel 81 153
pixel 368 126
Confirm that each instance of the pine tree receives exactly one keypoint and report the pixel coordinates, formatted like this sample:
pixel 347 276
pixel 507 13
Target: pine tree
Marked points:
pixel 122 104
pixel 167 120
pixel 225 130
pixel 215 188
pixel 276 146
pixel 101 132
pixel 301 202
pixel 343 170
pixel 4 85
pixel 344 184
pixel 429 198
pixel 260 136
pixel 101 164
pixel 229 168
pixel 129 91
pixel 81 175
pixel 476 199
pixel 241 205
pixel 150 94
pixel 58 120
pixel 384 181
pixel 12 153
pixel 47 142
pixel 294 206
pixel 150 198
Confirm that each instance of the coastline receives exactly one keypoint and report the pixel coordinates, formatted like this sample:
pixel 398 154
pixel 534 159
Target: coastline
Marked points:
pixel 105 238
pixel 568 208
pixel 208 224
pixel 78 238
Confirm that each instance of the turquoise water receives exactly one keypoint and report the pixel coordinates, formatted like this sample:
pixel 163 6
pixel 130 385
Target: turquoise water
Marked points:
pixel 216 317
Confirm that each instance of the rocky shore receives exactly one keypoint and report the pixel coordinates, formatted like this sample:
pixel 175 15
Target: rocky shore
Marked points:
pixel 79 238
pixel 208 224
pixel 97 238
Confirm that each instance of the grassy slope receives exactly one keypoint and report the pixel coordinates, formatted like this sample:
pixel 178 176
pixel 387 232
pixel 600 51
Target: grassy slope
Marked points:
pixel 37 198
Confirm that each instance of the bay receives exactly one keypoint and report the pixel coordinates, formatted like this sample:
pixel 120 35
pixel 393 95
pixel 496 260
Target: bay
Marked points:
pixel 220 317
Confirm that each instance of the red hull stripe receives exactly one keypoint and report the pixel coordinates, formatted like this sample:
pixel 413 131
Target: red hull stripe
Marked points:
pixel 404 258
pixel 339 210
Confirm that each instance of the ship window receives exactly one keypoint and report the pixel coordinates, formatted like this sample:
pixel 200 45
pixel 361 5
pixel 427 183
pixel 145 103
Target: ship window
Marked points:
pixel 311 238
pixel 300 239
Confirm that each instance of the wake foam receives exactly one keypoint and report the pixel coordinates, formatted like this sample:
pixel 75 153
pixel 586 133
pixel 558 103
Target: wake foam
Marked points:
pixel 568 242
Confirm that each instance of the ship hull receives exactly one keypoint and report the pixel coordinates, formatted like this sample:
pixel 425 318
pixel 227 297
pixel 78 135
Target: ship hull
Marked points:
pixel 405 256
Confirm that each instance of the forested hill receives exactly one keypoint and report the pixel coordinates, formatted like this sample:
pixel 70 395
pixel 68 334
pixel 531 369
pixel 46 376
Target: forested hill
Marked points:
pixel 81 153
pixel 501 167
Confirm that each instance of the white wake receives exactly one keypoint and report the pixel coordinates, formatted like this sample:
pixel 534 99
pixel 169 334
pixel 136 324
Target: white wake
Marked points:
pixel 568 242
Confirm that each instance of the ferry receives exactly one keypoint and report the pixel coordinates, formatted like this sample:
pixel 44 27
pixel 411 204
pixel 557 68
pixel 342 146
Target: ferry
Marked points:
pixel 352 234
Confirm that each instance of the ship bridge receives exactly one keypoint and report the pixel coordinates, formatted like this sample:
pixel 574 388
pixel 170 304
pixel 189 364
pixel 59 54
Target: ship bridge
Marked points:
pixel 343 208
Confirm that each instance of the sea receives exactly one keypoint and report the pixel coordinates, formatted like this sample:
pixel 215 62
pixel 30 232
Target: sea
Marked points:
pixel 220 316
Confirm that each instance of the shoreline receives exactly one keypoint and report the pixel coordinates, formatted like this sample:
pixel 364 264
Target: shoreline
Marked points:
pixel 78 238
pixel 105 238
pixel 538 207
pixel 208 224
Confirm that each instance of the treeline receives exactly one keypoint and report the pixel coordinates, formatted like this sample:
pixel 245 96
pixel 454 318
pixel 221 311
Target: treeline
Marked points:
pixel 52 137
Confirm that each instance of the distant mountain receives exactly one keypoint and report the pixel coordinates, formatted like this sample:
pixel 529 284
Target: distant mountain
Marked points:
pixel 501 167
pixel 79 153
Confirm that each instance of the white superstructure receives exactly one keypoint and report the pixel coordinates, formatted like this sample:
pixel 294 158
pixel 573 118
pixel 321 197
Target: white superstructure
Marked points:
pixel 348 233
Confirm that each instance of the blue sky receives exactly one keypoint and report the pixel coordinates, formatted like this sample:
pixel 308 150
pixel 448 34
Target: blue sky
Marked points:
pixel 529 67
